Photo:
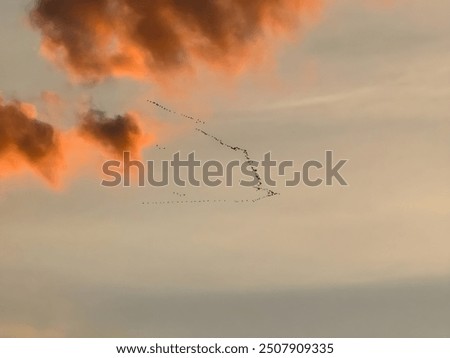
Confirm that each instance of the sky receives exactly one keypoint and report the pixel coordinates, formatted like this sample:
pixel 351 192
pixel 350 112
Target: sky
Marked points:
pixel 366 79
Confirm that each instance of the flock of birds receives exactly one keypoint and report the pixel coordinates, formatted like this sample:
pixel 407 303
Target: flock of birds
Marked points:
pixel 181 195
pixel 258 187
pixel 160 106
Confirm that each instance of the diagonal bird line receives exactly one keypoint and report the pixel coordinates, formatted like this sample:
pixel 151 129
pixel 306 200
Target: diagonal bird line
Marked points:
pixel 159 105
pixel 259 186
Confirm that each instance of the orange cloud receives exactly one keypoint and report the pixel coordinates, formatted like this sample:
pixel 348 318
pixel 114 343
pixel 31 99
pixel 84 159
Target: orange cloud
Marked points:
pixel 97 39
pixel 116 134
pixel 28 142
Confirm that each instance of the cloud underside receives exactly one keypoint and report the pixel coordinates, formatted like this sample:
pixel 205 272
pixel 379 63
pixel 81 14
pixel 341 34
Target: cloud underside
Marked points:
pixel 97 39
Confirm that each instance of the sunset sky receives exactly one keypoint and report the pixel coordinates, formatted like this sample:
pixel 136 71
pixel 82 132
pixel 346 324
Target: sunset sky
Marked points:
pixel 367 79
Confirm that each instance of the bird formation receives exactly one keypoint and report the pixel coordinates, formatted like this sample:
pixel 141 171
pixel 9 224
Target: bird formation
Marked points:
pixel 159 105
pixel 259 186
pixel 168 202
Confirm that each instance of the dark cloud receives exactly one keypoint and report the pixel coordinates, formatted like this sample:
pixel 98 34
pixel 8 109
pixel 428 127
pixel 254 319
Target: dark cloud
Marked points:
pixel 26 141
pixel 95 39
pixel 114 134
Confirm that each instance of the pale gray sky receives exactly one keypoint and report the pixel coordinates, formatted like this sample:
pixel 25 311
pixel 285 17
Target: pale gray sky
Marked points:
pixel 372 259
